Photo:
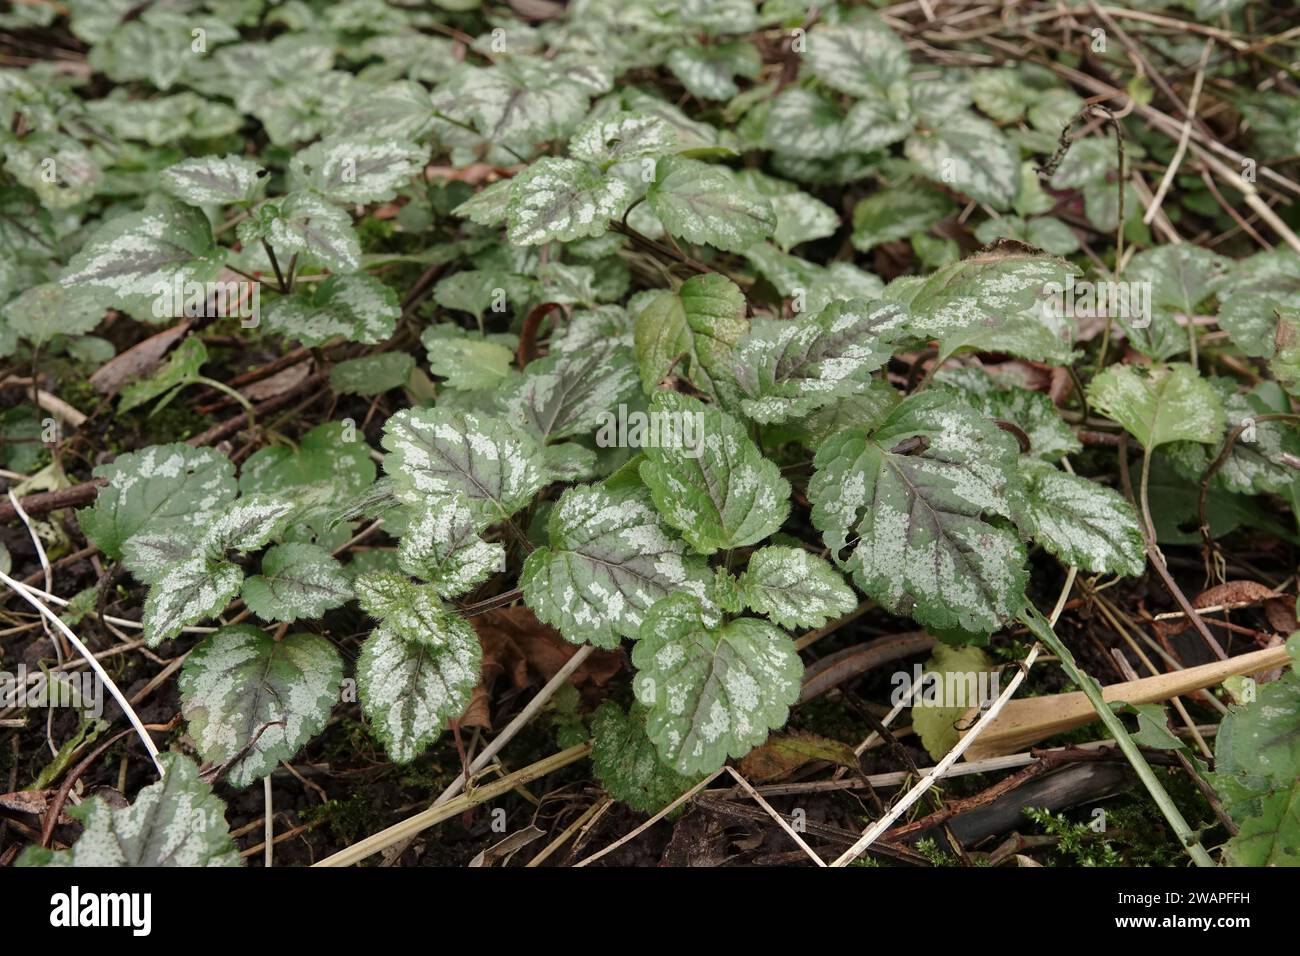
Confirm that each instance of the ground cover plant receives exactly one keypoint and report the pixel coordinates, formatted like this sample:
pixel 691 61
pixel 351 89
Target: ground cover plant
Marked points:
pixel 623 432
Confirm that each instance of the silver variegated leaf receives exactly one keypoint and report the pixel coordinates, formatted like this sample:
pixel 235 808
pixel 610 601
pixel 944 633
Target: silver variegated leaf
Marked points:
pixel 1083 523
pixel 246 525
pixel 148 554
pixel 358 308
pixel 564 395
pixel 442 546
pixel 971 154
pixel 177 821
pixel 297 581
pixel 434 452
pixel 609 559
pixel 606 140
pixel 1263 457
pixel 130 257
pixel 488 206
pixel 913 502
pixel 305 223
pixel 416 670
pixel 1032 412
pixel 971 302
pixel 358 169
pixel 712 690
pixel 705 204
pixel 791 368
pixel 214 180
pixel 794 588
pixel 159 488
pixel 562 200
pixel 862 57
pixel 185 594
pixel 717 490
pixel 246 695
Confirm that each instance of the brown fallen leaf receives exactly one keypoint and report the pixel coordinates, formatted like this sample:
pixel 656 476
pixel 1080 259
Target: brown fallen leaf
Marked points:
pixel 783 754
pixel 137 361
pixel 1281 615
pixel 279 383
pixel 525 651
pixel 1232 594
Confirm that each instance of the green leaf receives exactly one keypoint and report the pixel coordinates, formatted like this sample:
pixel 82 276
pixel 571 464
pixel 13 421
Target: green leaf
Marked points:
pixel 703 320
pixel 794 588
pixel 185 594
pixel 488 206
pixel 1157 405
pixel 129 257
pixel 1257 757
pixel 711 690
pixel 606 140
pixel 1252 294
pixel 970 154
pixel 246 695
pixel 178 371
pixel 214 180
pixel 246 525
pixel 307 224
pixel 177 821
pixel 1033 413
pixel 416 670
pixel 935 710
pixel 359 308
pixel 787 369
pixel 562 396
pixel 1002 93
pixel 708 71
pixel 442 546
pixel 297 581
pixel 562 200
pixel 49 309
pixel 802 123
pixel 467 363
pixel 917 502
pixel 372 374
pixel 1083 523
pixel 358 168
pixel 627 764
pixel 476 291
pixel 609 559
pixel 1261 458
pixel 704 204
pixel 998 300
pixel 433 452
pixel 519 102
pixel 331 460
pixel 159 488
pixel 720 494
pixel 862 58
pixel 896 214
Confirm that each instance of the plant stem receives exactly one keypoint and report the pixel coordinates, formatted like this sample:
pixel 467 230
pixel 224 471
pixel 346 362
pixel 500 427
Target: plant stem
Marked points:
pixel 1042 630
